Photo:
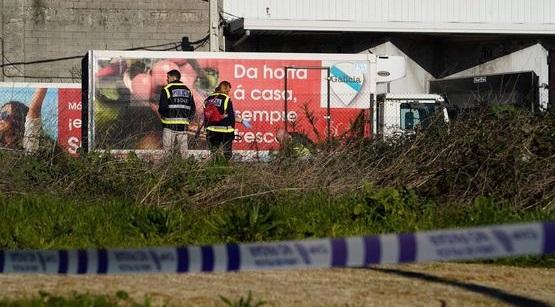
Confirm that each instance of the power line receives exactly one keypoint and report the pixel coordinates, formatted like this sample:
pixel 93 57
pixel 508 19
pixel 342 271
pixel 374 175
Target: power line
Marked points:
pixel 7 63
pixel 78 56
pixel 41 61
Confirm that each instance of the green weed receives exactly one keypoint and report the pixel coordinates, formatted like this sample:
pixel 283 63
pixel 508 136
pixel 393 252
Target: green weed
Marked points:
pixel 242 302
pixel 494 169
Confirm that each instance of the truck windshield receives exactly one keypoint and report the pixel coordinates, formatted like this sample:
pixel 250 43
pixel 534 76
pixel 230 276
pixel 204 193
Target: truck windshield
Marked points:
pixel 416 115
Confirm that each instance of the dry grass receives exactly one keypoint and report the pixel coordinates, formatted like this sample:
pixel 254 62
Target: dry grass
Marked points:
pixel 507 154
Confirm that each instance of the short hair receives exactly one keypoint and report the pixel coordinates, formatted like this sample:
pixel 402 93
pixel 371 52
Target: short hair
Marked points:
pixel 175 73
pixel 221 86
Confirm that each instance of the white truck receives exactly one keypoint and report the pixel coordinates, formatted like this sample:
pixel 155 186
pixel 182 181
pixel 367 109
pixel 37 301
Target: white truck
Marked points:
pixel 318 95
pixel 403 112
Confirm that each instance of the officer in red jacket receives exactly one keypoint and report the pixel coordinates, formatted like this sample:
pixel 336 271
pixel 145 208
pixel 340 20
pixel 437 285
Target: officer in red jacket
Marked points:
pixel 220 134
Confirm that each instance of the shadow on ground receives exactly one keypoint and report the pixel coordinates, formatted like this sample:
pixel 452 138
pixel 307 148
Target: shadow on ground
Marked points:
pixel 510 299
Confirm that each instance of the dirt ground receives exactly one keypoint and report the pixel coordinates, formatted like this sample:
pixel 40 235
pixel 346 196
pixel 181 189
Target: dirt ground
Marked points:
pixel 430 284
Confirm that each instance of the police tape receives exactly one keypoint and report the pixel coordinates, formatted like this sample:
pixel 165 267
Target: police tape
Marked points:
pixel 487 242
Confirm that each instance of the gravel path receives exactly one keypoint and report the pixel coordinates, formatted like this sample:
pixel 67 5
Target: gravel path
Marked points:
pixel 430 284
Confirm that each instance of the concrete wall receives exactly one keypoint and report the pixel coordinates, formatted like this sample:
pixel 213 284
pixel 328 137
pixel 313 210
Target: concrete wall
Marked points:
pixel 34 30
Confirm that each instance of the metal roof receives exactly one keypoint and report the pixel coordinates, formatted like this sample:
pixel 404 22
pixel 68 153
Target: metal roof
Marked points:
pixel 422 16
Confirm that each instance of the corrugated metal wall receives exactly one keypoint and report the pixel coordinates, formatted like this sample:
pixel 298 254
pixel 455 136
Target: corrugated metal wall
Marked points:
pixel 435 11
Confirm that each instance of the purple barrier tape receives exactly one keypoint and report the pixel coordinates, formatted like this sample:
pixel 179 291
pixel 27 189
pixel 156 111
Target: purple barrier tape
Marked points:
pixel 407 243
pixel 208 258
pixel 549 242
pixel 182 260
pixel 339 252
pixel 82 262
pixel 373 250
pixel 234 257
pixel 63 262
pixel 474 243
pixel 102 261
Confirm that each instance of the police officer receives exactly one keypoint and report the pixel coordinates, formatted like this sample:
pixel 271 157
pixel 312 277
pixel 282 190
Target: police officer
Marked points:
pixel 222 133
pixel 176 109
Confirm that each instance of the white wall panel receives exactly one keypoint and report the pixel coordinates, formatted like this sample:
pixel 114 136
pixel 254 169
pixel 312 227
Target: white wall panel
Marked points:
pixel 503 16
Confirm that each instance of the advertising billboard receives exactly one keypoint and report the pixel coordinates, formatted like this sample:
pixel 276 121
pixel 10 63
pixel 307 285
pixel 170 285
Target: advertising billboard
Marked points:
pixel 325 94
pixel 56 106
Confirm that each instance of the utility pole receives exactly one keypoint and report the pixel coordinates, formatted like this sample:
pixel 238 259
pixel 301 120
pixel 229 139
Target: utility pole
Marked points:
pixel 214 31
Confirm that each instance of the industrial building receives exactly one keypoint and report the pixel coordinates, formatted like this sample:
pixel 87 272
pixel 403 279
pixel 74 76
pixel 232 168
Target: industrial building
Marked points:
pixel 440 38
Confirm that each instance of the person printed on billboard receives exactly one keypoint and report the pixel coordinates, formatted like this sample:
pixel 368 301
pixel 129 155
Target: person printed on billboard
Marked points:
pixel 21 125
pixel 176 109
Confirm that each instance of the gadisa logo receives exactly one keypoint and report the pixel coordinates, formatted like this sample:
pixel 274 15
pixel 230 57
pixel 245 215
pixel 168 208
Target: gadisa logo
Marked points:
pixel 346 81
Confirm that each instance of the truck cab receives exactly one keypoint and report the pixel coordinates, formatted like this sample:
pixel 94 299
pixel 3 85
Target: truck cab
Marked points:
pixel 401 113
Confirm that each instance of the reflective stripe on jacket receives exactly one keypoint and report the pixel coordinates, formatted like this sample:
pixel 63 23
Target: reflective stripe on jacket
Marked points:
pixel 177 105
pixel 220 128
pixel 227 124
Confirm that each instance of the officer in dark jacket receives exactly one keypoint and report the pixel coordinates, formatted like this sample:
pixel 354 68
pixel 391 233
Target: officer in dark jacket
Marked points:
pixel 176 108
pixel 222 133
